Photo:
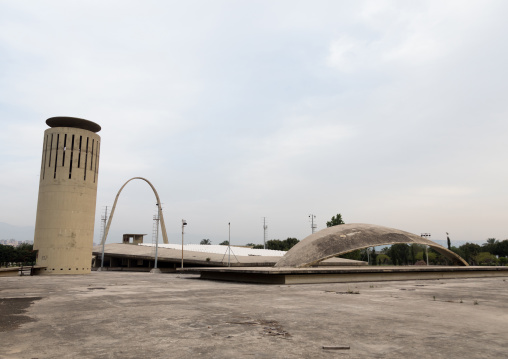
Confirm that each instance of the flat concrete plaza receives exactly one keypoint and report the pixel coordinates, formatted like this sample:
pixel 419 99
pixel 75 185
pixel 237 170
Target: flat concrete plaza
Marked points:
pixel 142 315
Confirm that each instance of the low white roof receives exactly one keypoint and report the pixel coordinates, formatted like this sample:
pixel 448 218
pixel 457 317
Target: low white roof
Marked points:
pixel 218 249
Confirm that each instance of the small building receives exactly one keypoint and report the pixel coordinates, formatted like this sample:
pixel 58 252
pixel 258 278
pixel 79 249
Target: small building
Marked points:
pixel 136 238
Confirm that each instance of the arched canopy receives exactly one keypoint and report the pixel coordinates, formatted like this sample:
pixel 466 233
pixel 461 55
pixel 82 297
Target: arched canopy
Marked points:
pixel 163 225
pixel 345 238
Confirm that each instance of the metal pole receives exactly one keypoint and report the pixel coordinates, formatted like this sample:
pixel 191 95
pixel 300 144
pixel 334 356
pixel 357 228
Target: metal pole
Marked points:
pixel 183 225
pixel 229 245
pixel 102 239
pixel 312 222
pixel 264 232
pixel 157 234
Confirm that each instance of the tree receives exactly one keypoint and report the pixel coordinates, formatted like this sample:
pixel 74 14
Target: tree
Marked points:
pixel 335 221
pixel 416 248
pixel 7 254
pixel 501 248
pixel 22 254
pixel 278 245
pixel 399 254
pixel 422 256
pixel 290 242
pixel 205 242
pixel 485 258
pixel 382 259
pixel 490 245
pixel 25 253
pixel 373 255
pixel 225 243
pixel 470 251
pixel 355 255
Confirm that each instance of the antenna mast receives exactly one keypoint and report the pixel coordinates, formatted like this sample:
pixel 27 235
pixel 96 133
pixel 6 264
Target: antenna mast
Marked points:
pixel 312 225
pixel 265 227
pixel 104 219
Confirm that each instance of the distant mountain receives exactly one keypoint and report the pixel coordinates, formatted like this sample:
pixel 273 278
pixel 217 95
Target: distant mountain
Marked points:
pixel 19 233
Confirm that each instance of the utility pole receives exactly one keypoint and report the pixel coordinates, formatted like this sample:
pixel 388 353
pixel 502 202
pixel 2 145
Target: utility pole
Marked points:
pixel 184 223
pixel 265 227
pixel 104 219
pixel 156 219
pixel 312 226
pixel 229 245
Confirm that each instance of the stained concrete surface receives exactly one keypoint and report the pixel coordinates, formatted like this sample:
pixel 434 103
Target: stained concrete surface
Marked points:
pixel 12 310
pixel 139 315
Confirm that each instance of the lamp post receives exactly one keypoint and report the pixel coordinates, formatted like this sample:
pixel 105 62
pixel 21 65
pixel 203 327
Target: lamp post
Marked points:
pixel 265 227
pixel 312 226
pixel 156 219
pixel 229 244
pixel 184 223
pixel 104 220
pixel 157 236
pixel 426 246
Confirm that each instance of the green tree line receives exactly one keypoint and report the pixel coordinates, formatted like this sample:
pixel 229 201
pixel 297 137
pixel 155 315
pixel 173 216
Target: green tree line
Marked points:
pixel 23 254
pixel 277 244
pixel 492 252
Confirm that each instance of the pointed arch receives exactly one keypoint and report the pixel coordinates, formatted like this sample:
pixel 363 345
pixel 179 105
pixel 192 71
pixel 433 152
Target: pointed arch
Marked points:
pixel 163 225
pixel 344 238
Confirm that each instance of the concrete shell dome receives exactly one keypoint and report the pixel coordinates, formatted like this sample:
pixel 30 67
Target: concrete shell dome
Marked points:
pixel 345 238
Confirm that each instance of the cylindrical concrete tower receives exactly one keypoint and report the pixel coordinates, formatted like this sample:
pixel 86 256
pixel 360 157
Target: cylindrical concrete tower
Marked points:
pixel 64 225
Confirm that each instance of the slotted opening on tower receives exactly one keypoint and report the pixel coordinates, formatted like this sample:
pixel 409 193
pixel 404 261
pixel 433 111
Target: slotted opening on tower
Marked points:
pixel 86 158
pixel 79 150
pixel 72 155
pixel 45 155
pixel 64 149
pixel 56 153
pixel 91 157
pixel 50 149
pixel 96 160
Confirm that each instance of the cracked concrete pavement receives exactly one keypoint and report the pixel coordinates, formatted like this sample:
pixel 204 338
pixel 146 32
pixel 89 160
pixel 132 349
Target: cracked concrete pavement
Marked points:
pixel 136 315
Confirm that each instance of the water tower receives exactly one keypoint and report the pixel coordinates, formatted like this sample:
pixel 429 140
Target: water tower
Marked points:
pixel 65 219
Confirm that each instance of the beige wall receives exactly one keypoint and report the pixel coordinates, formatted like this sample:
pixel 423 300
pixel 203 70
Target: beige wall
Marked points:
pixel 64 225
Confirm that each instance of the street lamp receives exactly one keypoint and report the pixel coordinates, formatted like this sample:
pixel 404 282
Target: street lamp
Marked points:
pixel 157 218
pixel 426 246
pixel 312 226
pixel 184 223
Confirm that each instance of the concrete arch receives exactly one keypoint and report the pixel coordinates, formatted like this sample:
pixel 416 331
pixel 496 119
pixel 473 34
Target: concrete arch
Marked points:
pixel 163 225
pixel 345 238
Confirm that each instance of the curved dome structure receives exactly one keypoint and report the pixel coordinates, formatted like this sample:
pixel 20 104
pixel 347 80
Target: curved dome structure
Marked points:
pixel 344 238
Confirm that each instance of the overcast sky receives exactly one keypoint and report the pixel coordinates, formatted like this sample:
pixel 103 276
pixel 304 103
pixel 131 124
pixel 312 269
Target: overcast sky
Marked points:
pixel 388 112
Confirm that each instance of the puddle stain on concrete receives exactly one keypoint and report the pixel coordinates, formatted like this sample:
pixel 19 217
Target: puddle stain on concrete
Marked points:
pixel 12 310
